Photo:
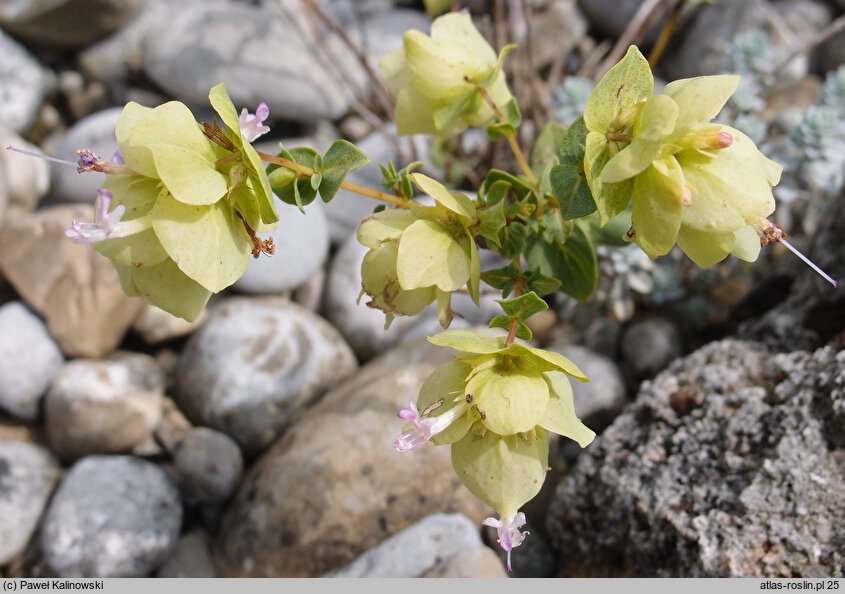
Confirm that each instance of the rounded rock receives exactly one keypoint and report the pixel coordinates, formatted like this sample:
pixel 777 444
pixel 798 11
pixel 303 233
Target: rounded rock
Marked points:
pixel 103 407
pixel 333 487
pixel 112 516
pixel 208 465
pixel 302 244
pixel 256 362
pixel 27 179
pixel 23 85
pixel 29 360
pixel 649 345
pixel 28 474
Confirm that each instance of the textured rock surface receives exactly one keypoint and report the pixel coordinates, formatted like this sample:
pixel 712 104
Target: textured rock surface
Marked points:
pixel 208 465
pixel 28 474
pixel 191 50
pixel 728 464
pixel 23 85
pixel 255 363
pixel 112 516
pixel 103 407
pixel 73 287
pixel 333 487
pixel 29 360
pixel 64 23
pixel 416 550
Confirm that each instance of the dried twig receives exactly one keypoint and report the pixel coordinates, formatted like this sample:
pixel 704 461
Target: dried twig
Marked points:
pixel 636 30
pixel 832 29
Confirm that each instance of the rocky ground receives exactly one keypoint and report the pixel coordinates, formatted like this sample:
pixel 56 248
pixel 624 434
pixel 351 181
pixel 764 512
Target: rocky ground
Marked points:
pixel 257 441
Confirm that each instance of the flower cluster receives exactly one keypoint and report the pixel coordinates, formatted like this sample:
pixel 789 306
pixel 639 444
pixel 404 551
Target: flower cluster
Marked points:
pixel 702 185
pixel 438 80
pixel 495 404
pixel 178 214
pixel 420 254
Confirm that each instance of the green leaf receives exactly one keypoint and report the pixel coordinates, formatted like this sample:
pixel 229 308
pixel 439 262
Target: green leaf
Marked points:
pixel 540 284
pixel 502 278
pixel 503 472
pixel 467 341
pixel 316 180
pixel 170 289
pixel 491 221
pixel 510 401
pixel 522 330
pixel 222 104
pixel 524 306
pixel 560 414
pixel 626 84
pixel 430 256
pixel 520 187
pixel 513 118
pixel 453 201
pixel 547 148
pixel 513 240
pixel 206 242
pixel 568 180
pixel 574 264
pixel 341 158
pixel 300 193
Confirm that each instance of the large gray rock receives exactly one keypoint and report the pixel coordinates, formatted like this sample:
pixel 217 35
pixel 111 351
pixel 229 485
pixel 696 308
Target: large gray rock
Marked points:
pixel 103 407
pixel 94 132
pixel 191 50
pixel 64 23
pixel 416 550
pixel 728 464
pixel 112 516
pixel 255 363
pixel 333 487
pixel 29 360
pixel 75 289
pixel 28 474
pixel 302 244
pixel 22 84
pixel 649 345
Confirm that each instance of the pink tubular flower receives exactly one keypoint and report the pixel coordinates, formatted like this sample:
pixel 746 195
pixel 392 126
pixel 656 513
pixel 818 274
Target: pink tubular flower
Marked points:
pixel 104 223
pixel 252 125
pixel 509 536
pixel 418 431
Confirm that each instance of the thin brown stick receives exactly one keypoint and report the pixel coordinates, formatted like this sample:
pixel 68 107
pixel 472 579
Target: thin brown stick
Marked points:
pixel 378 85
pixel 632 34
pixel 515 148
pixel 666 33
pixel 832 29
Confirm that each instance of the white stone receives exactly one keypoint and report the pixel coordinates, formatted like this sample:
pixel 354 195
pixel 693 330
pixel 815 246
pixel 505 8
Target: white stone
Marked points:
pixel 27 178
pixel 21 85
pixel 29 360
pixel 302 244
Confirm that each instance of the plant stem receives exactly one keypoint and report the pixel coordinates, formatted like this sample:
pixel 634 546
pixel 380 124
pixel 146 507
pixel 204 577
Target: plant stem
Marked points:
pixel 665 34
pixel 517 152
pixel 618 137
pixel 518 290
pixel 305 171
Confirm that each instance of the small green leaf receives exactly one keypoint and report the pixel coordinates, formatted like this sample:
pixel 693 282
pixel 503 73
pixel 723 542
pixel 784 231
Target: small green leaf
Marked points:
pixel 522 330
pixel 540 284
pixel 341 158
pixel 524 306
pixel 513 119
pixel 501 278
pixel 300 193
pixel 491 222
pixel 574 264
pixel 545 361
pixel 568 179
pixel 316 180
pixel 513 240
pixel 520 187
